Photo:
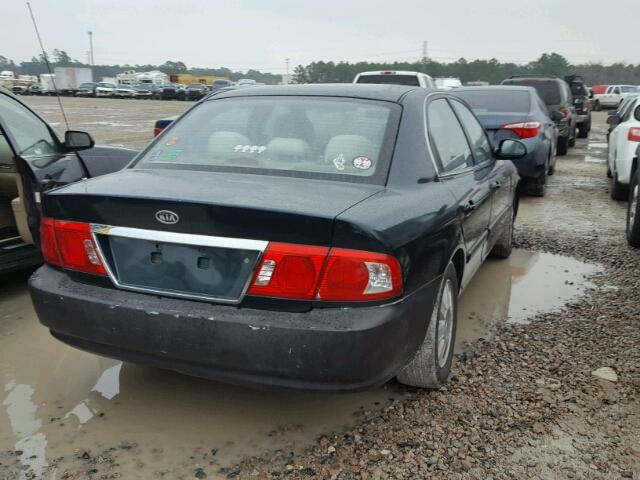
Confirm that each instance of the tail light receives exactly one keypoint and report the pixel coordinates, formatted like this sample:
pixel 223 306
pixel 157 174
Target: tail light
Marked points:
pixel 585 105
pixel 564 111
pixel 634 135
pixel 70 245
pixel 156 131
pixel 524 129
pixel 308 272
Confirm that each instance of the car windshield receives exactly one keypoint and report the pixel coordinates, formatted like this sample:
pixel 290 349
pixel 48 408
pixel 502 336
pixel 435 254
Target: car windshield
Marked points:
pixel 410 80
pixel 196 85
pixel 108 85
pixel 496 100
pixel 87 85
pixel 310 137
pixel 549 90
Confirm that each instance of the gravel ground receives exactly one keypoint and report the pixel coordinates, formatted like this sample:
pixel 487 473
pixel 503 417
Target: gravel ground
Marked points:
pixel 524 404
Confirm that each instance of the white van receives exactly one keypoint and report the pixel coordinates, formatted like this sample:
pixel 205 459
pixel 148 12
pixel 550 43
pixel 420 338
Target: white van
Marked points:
pixel 448 83
pixel 396 77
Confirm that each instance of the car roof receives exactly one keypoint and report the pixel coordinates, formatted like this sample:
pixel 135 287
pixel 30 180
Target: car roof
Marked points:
pixel 395 72
pixel 385 92
pixel 502 88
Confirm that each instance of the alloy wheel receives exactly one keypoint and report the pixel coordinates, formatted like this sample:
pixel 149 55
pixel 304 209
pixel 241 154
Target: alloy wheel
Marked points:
pixel 445 324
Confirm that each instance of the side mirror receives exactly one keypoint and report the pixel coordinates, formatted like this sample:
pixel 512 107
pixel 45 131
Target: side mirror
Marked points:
pixel 556 116
pixel 511 150
pixel 74 141
pixel 614 120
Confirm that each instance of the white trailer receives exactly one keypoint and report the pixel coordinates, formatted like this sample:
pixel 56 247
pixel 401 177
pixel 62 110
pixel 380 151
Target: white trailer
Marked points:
pixel 46 84
pixel 68 79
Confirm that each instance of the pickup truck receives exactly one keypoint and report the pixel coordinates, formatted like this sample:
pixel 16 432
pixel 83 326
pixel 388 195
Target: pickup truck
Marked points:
pixel 613 95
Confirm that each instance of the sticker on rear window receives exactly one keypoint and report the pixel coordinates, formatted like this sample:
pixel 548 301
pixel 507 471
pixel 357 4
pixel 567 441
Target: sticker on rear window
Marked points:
pixel 170 155
pixel 172 141
pixel 362 163
pixel 339 162
pixel 249 149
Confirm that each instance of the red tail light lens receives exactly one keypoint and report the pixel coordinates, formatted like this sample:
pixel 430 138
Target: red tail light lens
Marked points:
pixel 564 111
pixel 156 131
pixel 48 243
pixel 309 272
pixel 353 275
pixel 524 129
pixel 289 271
pixel 634 135
pixel 70 245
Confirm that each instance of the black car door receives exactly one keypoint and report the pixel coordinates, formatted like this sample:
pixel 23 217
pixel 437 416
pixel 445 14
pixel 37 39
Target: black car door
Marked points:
pixel 491 175
pixel 468 182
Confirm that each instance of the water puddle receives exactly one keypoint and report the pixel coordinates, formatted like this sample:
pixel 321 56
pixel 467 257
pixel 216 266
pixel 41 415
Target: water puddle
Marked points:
pixel 514 290
pixel 63 410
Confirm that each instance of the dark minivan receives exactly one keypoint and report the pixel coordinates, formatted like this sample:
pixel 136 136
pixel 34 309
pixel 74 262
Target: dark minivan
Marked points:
pixel 556 95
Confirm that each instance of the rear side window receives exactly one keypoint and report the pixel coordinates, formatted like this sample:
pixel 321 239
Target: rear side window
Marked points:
pixel 549 90
pixel 409 80
pixel 447 136
pixel 496 101
pixel 479 142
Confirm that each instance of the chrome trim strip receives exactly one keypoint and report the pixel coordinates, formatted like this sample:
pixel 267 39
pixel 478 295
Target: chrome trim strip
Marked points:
pixel 180 238
pixel 184 239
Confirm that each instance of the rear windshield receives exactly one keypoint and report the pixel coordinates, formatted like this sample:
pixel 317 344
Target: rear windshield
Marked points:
pixel 312 137
pixel 496 101
pixel 578 90
pixel 549 90
pixel 410 80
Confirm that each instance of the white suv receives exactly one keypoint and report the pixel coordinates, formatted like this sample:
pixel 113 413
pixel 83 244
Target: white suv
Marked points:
pixel 396 77
pixel 623 143
pixel 613 95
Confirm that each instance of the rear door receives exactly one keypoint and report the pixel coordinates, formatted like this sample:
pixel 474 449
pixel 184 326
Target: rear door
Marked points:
pixel 467 181
pixel 491 178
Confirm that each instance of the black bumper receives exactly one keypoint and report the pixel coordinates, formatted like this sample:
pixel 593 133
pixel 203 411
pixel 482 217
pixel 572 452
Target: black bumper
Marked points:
pixel 333 349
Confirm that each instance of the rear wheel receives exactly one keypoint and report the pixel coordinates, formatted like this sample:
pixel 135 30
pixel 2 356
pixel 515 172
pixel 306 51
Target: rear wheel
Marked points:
pixel 572 138
pixel 633 212
pixel 504 245
pixel 563 145
pixel 584 128
pixel 431 365
pixel 619 191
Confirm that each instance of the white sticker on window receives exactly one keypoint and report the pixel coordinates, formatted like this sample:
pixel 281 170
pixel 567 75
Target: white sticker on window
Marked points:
pixel 339 162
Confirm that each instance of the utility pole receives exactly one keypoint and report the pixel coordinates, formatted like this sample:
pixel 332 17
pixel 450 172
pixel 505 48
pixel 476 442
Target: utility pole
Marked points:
pixel 425 51
pixel 90 47
pixel 286 61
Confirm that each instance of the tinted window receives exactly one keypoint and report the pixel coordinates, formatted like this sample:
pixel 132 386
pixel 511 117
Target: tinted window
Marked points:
pixel 616 90
pixel 629 89
pixel 410 80
pixel 496 101
pixel 341 139
pixel 479 142
pixel 578 90
pixel 31 135
pixel 549 90
pixel 447 136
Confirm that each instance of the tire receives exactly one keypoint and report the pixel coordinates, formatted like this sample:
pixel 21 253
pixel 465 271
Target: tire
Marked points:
pixel 633 212
pixel 619 191
pixel 537 187
pixel 584 128
pixel 609 174
pixel 431 364
pixel 504 246
pixel 563 146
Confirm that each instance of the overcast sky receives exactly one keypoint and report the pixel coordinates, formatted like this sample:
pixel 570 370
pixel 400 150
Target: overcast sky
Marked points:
pixel 260 34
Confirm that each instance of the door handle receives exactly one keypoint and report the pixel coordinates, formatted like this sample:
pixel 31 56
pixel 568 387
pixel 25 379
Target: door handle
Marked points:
pixel 495 185
pixel 469 207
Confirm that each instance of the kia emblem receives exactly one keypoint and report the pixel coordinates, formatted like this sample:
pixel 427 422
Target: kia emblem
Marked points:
pixel 167 217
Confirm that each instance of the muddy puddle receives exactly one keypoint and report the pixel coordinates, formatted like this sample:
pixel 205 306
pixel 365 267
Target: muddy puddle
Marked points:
pixel 70 414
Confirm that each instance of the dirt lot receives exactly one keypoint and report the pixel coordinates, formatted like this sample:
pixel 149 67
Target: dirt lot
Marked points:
pixel 523 402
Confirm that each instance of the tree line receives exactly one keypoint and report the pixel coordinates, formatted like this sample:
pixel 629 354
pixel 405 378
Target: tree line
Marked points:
pixel 60 58
pixel 492 71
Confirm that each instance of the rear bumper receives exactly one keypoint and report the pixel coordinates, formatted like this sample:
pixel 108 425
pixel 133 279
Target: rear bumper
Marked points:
pixel 333 349
pixel 532 165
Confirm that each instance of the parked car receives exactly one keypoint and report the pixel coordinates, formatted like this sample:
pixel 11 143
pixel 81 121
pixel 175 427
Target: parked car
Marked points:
pixel 633 209
pixel 26 88
pixel 556 95
pixel 448 83
pixel 87 90
pixel 41 162
pixel 620 112
pixel 218 84
pixel 518 113
pixel 613 95
pixel 396 77
pixel 309 237
pixel 105 89
pixel 143 91
pixel 623 143
pixel 124 91
pixel 196 91
pixel 582 103
pixel 172 91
